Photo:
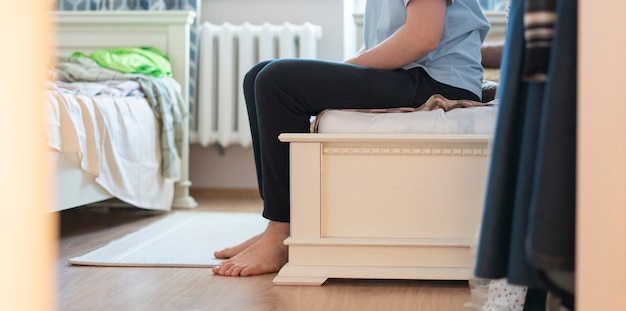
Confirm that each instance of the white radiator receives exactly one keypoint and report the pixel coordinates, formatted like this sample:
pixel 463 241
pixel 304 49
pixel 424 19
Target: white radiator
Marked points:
pixel 226 53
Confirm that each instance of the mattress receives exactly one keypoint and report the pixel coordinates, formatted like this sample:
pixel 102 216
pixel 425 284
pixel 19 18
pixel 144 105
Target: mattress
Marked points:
pixel 458 120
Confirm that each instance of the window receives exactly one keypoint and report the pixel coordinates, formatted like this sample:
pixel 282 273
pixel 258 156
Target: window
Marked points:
pixel 493 5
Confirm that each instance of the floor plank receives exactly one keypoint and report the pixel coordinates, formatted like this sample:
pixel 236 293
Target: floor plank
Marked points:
pixel 114 288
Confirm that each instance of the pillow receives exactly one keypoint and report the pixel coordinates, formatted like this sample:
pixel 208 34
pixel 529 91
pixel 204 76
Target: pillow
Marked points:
pixel 491 54
pixel 489 90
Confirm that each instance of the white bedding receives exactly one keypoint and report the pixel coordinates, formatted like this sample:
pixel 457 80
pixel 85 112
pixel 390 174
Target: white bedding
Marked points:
pixel 109 88
pixel 474 120
pixel 118 142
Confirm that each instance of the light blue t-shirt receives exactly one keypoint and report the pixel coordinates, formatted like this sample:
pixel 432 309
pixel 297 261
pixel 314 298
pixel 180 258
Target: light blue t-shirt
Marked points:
pixel 456 61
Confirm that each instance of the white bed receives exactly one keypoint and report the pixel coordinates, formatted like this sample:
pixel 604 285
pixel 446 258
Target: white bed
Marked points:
pixel 167 31
pixel 378 196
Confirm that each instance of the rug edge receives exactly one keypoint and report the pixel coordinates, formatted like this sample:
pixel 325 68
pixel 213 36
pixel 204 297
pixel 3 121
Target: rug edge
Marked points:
pixel 78 262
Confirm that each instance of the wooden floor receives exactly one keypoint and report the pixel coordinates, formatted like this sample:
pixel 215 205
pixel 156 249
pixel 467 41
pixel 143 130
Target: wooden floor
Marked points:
pixel 114 288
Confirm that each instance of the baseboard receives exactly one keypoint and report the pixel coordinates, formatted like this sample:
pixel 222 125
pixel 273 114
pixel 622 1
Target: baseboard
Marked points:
pixel 224 193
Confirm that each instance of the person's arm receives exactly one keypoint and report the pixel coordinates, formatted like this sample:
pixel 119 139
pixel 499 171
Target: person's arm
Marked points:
pixel 419 35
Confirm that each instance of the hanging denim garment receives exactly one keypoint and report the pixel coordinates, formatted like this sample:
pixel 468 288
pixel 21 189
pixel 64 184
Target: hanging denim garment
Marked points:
pixel 528 221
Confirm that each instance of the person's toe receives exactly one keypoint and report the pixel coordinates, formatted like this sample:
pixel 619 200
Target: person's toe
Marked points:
pixel 236 271
pixel 222 269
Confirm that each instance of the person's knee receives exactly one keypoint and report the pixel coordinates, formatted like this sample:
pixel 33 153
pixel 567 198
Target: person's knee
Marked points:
pixel 251 75
pixel 278 73
pixel 274 70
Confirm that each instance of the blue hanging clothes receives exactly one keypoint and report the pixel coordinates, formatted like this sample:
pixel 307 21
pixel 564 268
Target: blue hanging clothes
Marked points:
pixel 528 224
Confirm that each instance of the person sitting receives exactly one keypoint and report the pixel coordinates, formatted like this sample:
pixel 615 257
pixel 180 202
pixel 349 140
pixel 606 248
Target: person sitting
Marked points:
pixel 413 49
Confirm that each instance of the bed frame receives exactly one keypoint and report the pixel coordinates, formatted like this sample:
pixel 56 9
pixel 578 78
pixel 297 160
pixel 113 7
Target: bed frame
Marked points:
pixel 89 30
pixel 383 206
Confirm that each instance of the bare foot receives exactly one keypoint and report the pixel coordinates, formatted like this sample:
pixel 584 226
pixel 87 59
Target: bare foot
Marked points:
pixel 233 251
pixel 265 253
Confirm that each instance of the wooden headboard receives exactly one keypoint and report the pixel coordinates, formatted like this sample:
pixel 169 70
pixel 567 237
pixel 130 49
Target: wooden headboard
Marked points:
pixel 167 31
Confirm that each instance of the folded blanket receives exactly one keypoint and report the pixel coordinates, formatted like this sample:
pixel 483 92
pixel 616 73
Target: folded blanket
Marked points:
pixel 143 60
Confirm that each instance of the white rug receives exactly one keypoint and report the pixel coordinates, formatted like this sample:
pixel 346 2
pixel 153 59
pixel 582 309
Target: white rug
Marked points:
pixel 181 239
